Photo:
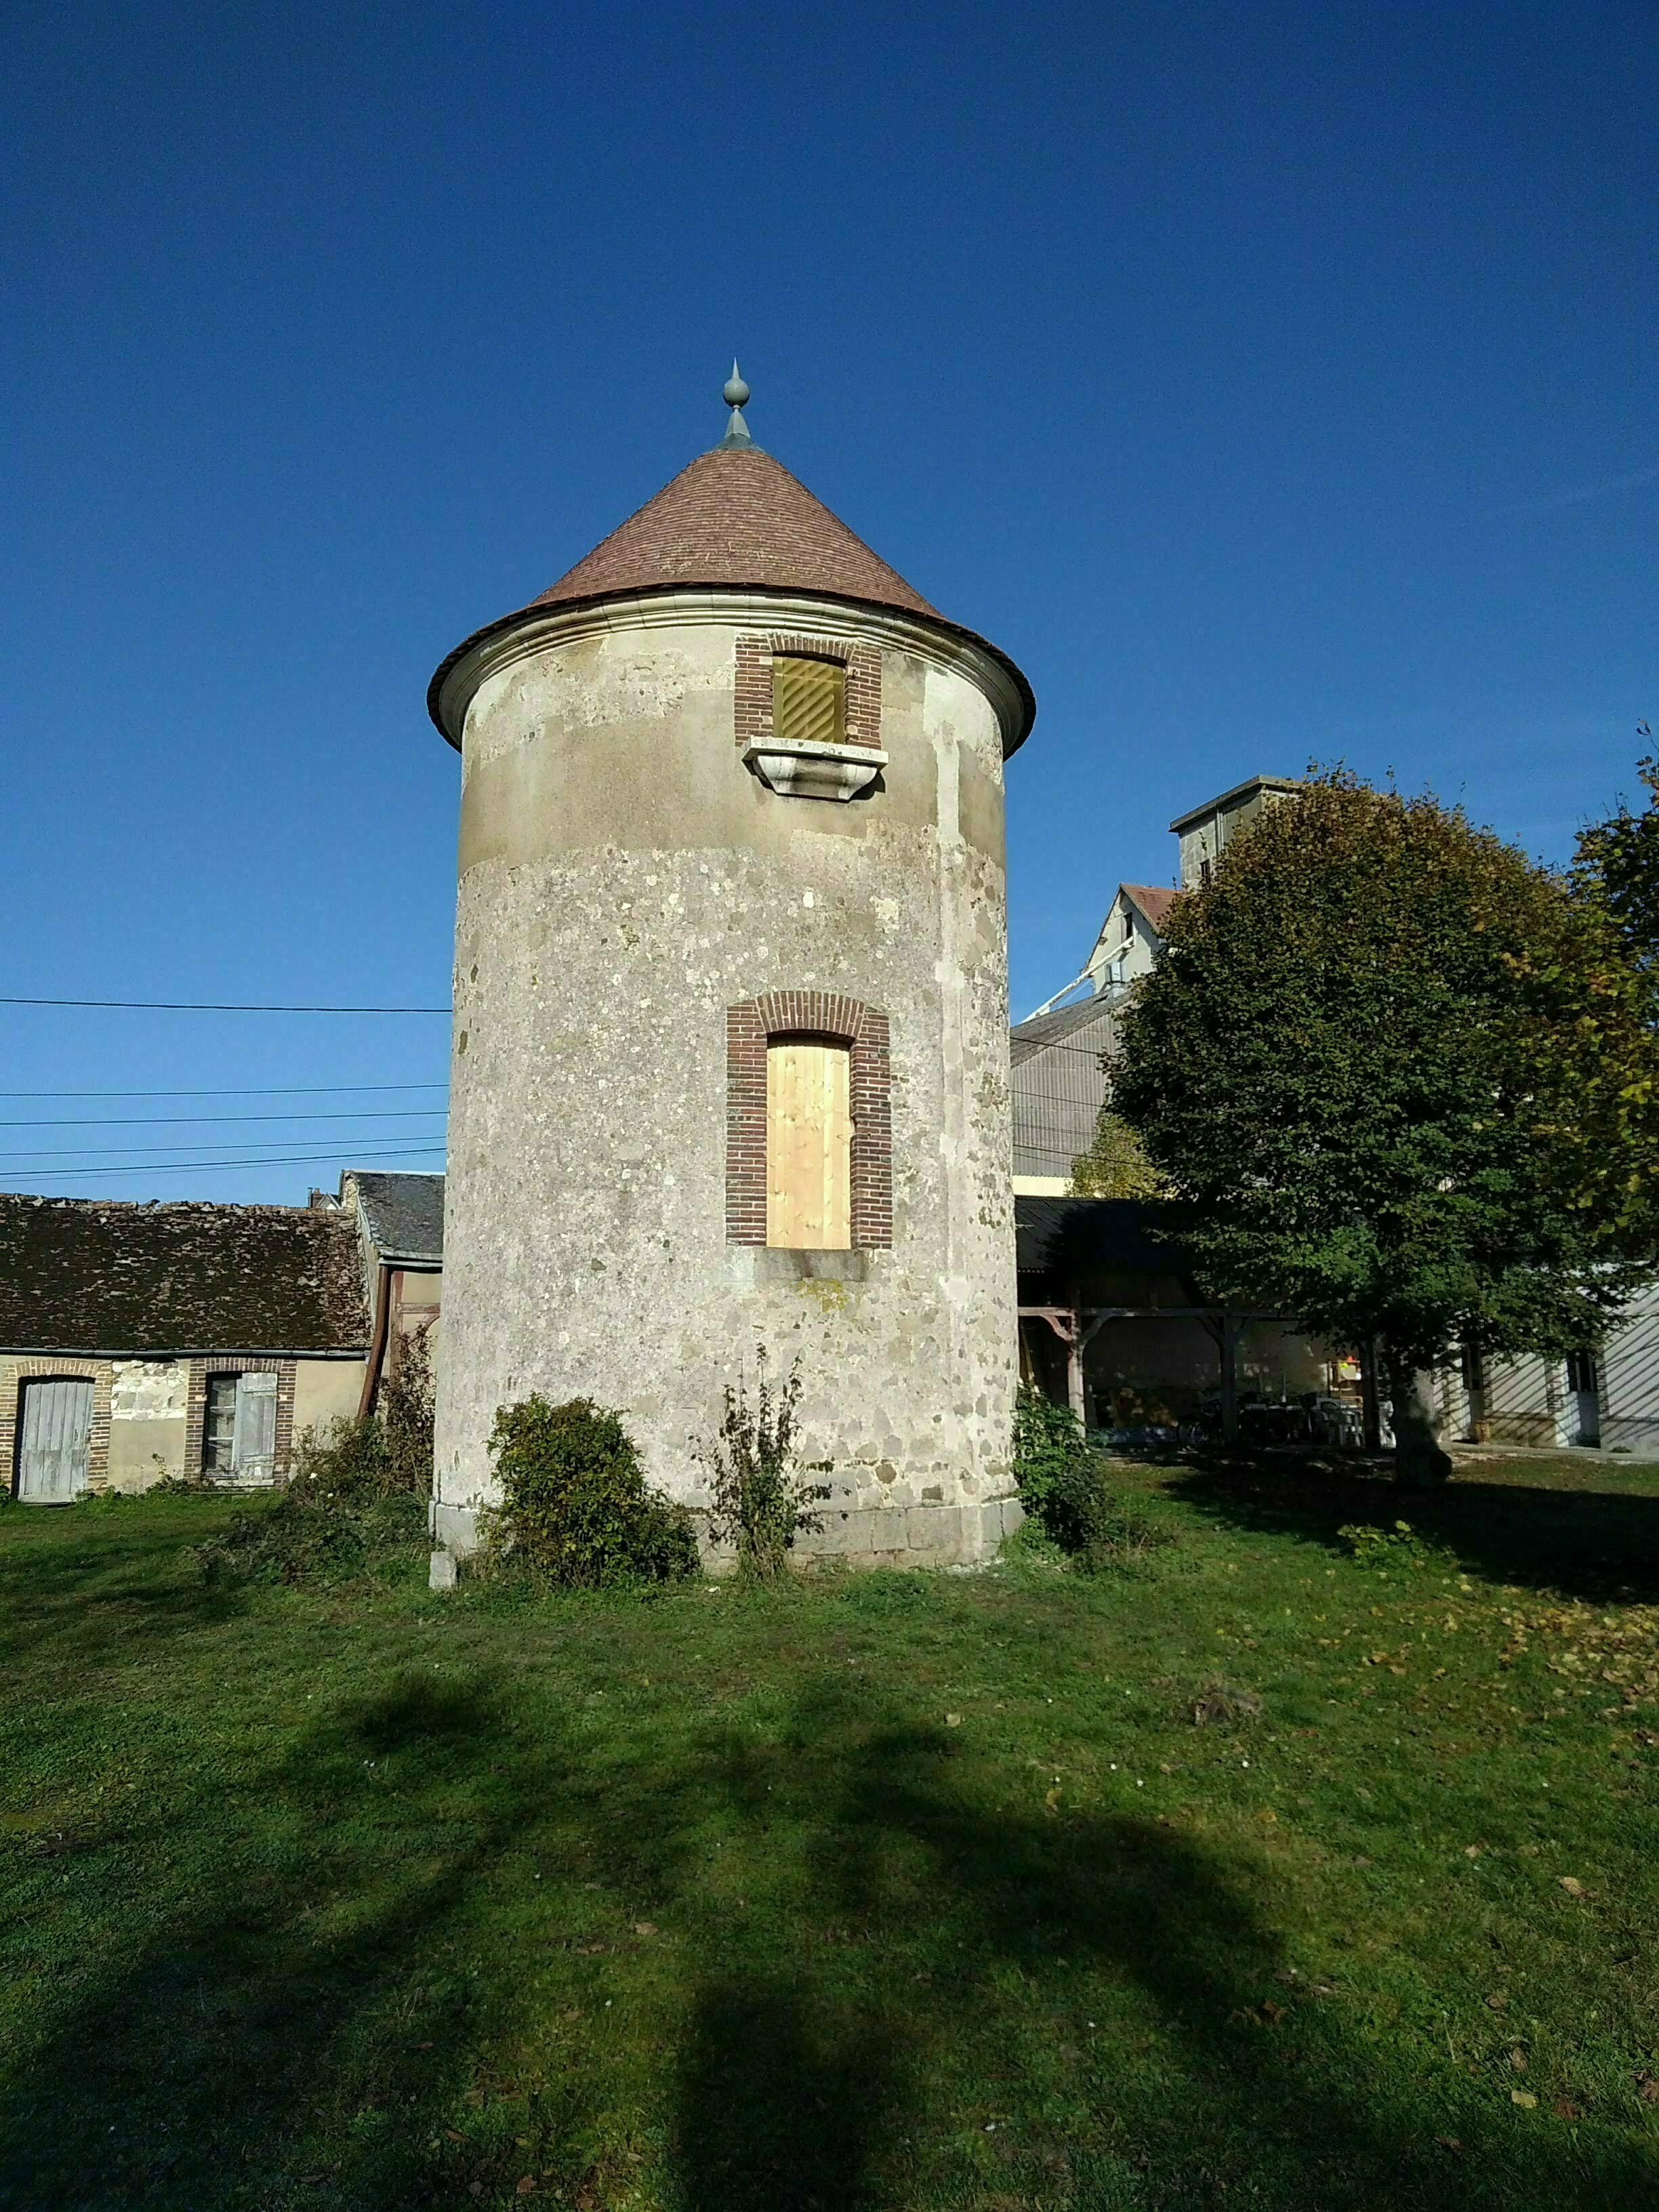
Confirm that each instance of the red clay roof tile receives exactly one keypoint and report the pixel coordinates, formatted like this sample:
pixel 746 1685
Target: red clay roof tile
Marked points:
pixel 736 516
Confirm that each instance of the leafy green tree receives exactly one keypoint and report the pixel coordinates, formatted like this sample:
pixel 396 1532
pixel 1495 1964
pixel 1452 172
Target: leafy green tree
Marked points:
pixel 1615 879
pixel 1115 1164
pixel 1618 867
pixel 1361 1062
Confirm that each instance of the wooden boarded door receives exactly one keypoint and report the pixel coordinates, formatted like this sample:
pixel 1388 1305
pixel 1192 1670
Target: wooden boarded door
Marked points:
pixel 808 1146
pixel 253 1457
pixel 52 1465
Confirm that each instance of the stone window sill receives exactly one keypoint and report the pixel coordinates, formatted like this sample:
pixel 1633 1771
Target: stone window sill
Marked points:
pixel 804 770
pixel 776 1263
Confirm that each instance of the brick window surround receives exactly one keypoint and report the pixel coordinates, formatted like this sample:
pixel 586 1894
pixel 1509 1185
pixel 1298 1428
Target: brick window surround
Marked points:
pixel 196 1408
pixel 752 719
pixel 750 1026
pixel 14 1373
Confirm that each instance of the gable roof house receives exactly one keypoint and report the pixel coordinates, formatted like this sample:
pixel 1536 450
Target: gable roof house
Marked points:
pixel 1059 1084
pixel 142 1340
pixel 399 1222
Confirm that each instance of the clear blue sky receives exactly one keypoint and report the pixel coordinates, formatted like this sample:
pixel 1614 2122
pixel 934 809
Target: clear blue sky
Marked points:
pixel 1271 380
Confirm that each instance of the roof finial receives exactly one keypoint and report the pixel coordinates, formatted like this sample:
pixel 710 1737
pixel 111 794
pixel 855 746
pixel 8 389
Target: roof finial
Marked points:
pixel 735 396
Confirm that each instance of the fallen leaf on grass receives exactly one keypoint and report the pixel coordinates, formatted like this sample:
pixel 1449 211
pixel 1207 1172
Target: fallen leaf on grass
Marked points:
pixel 1647 2088
pixel 1272 2012
pixel 1497 2001
pixel 1518 2059
pixel 454 2135
pixel 1570 1883
pixel 1524 2098
pixel 527 2185
pixel 1564 2109
pixel 1473 1850
pixel 953 1720
pixel 1450 2143
pixel 645 1927
pixel 1268 1816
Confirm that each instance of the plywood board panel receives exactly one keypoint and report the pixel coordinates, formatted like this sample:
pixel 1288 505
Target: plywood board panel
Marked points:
pixel 808 1146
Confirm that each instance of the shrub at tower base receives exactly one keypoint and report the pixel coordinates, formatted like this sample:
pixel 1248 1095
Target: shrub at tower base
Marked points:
pixel 1372 1061
pixel 575 1507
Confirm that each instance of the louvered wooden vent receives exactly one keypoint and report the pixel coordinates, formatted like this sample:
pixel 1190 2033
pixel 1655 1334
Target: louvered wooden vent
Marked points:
pixel 809 700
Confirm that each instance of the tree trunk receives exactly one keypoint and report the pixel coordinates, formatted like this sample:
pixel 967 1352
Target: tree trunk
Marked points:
pixel 1369 1401
pixel 1419 1463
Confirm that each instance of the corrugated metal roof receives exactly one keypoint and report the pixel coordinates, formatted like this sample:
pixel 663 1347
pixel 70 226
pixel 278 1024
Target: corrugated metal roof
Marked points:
pixel 1059 1084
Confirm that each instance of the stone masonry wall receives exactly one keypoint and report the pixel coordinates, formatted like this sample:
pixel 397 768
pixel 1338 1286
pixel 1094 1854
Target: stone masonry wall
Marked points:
pixel 625 882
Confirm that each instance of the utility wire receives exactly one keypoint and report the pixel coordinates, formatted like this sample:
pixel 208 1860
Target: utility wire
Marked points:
pixel 214 1006
pixel 237 1090
pixel 156 1150
pixel 171 1121
pixel 178 1167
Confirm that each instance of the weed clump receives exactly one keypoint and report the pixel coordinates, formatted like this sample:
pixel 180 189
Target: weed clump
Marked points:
pixel 575 1509
pixel 1221 1704
pixel 762 1501
pixel 350 1503
pixel 1065 1487
pixel 1398 1546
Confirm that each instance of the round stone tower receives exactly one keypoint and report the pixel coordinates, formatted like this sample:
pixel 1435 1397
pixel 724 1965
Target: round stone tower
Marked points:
pixel 731 1049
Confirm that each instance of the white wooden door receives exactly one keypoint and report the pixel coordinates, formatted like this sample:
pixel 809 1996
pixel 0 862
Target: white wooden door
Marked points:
pixel 51 1465
pixel 253 1457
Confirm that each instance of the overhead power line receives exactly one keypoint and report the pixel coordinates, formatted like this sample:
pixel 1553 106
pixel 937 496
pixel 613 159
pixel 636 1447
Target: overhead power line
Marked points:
pixel 236 1091
pixel 172 1121
pixel 157 1150
pixel 214 1006
pixel 304 1159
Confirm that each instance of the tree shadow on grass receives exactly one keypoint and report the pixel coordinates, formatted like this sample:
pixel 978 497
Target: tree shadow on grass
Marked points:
pixel 1584 1543
pixel 938 2045
pixel 284 2034
pixel 907 1987
pixel 97 1574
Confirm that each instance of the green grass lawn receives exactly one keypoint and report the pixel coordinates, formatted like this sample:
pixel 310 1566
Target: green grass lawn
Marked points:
pixel 887 1891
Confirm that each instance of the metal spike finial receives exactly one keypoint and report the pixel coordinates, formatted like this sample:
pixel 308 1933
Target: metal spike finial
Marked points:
pixel 735 393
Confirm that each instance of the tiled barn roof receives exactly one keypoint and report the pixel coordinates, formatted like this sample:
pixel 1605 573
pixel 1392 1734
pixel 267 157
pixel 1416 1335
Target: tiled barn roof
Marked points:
pixel 403 1213
pixel 90 1275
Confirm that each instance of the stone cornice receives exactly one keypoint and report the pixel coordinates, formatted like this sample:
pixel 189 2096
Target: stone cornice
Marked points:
pixel 517 637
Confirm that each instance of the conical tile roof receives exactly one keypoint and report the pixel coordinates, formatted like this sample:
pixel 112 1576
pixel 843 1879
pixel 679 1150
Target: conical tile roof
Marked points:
pixel 737 516
pixel 733 518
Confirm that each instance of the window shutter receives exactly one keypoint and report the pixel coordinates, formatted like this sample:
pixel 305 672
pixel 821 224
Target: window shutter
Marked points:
pixel 255 1456
pixel 809 702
